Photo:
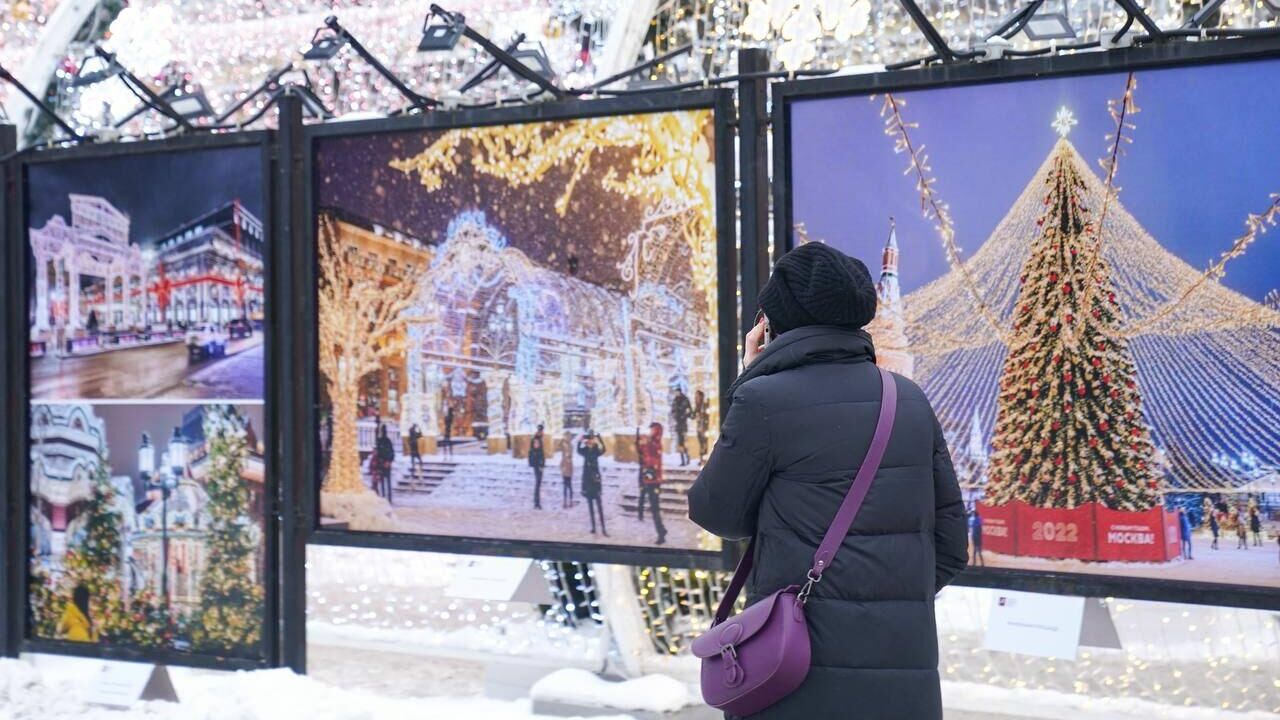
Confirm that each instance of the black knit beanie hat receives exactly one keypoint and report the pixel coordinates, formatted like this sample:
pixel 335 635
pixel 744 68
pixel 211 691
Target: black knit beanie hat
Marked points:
pixel 815 284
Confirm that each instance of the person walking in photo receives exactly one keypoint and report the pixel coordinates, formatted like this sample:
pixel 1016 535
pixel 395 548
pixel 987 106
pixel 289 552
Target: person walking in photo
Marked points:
pixel 537 461
pixel 415 452
pixel 975 533
pixel 385 453
pixel 566 469
pixel 797 429
pixel 76 623
pixel 649 448
pixel 590 448
pixel 1255 526
pixel 1242 532
pixel 1215 528
pixel 448 430
pixel 1184 533
pixel 702 423
pixel 681 411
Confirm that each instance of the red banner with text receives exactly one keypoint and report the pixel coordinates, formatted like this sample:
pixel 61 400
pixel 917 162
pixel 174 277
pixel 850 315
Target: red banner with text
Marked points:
pixel 997 528
pixel 1055 532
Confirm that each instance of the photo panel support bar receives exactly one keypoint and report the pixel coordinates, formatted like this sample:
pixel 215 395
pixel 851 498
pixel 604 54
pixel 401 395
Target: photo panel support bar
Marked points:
pixel 11 402
pixel 753 176
pixel 294 392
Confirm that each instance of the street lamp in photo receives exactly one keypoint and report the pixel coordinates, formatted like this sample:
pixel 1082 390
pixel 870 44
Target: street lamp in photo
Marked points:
pixel 161 483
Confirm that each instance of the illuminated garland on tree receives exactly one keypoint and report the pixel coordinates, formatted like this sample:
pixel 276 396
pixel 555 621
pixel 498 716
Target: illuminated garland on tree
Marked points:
pixel 361 323
pixel 1069 428
pixel 896 127
pixel 230 616
pixel 94 563
pixel 665 165
pixel 1256 225
pixel 1121 111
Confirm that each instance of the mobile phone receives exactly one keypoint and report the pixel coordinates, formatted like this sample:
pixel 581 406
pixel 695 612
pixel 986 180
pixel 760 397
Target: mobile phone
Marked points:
pixel 768 331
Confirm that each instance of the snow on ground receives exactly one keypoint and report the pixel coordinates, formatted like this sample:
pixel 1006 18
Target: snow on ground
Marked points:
pixel 584 646
pixel 1252 566
pixel 49 688
pixel 655 693
pixel 996 702
pixel 53 690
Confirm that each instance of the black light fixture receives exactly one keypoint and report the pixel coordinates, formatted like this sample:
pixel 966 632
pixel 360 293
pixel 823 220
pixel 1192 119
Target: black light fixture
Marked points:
pixel 535 58
pixel 441 31
pixel 1012 24
pixel 191 105
pixel 326 43
pixel 1049 26
pixel 329 40
pixel 435 38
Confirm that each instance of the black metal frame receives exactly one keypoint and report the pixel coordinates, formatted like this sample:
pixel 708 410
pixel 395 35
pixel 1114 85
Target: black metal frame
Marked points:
pixel 18 403
pixel 306 458
pixel 1163 55
pixel 11 272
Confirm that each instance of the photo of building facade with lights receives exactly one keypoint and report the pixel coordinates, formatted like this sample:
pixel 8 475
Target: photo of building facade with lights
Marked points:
pixel 147 289
pixel 468 347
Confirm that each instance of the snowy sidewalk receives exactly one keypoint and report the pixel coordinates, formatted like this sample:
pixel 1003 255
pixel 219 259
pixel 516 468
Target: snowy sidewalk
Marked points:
pixel 51 688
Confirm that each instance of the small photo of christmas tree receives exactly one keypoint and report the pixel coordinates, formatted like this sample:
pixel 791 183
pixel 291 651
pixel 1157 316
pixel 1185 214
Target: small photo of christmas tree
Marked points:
pixel 142 548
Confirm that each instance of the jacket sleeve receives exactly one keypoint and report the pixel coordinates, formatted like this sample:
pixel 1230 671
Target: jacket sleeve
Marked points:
pixel 726 496
pixel 950 530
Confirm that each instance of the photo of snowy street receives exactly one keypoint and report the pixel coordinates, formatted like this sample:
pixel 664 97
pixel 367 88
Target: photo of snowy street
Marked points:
pixel 160 370
pixel 148 290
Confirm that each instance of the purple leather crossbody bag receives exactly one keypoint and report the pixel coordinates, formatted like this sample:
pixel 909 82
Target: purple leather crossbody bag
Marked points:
pixel 760 656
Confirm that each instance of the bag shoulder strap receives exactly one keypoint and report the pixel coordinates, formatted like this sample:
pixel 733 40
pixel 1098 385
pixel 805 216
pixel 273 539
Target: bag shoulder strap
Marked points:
pixel 839 528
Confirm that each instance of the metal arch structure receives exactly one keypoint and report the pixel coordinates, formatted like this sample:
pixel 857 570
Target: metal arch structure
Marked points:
pixel 38 69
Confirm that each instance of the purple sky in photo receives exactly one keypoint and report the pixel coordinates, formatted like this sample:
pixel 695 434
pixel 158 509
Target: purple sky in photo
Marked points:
pixel 1205 154
pixel 160 191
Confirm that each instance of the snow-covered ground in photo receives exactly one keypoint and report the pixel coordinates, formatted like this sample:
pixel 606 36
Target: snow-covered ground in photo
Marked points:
pixel 492 496
pixel 1254 565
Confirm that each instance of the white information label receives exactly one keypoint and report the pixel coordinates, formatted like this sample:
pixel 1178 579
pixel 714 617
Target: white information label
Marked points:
pixel 488 578
pixel 118 684
pixel 1035 624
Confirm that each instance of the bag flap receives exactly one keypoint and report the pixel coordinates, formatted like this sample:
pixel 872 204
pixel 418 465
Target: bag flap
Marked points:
pixel 738 628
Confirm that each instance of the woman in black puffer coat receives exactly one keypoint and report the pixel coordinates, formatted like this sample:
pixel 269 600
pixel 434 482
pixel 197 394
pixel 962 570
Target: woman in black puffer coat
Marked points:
pixel 801 420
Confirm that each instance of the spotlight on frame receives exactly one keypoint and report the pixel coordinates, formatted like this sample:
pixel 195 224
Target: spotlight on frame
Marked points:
pixel 325 44
pixel 441 32
pixel 1049 26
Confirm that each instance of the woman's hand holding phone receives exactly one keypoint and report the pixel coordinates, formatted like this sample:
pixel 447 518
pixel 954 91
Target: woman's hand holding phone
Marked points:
pixel 755 341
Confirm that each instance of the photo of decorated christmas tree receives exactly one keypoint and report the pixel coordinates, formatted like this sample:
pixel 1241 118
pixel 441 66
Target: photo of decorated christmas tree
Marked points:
pixel 518 329
pixel 1086 297
pixel 142 548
